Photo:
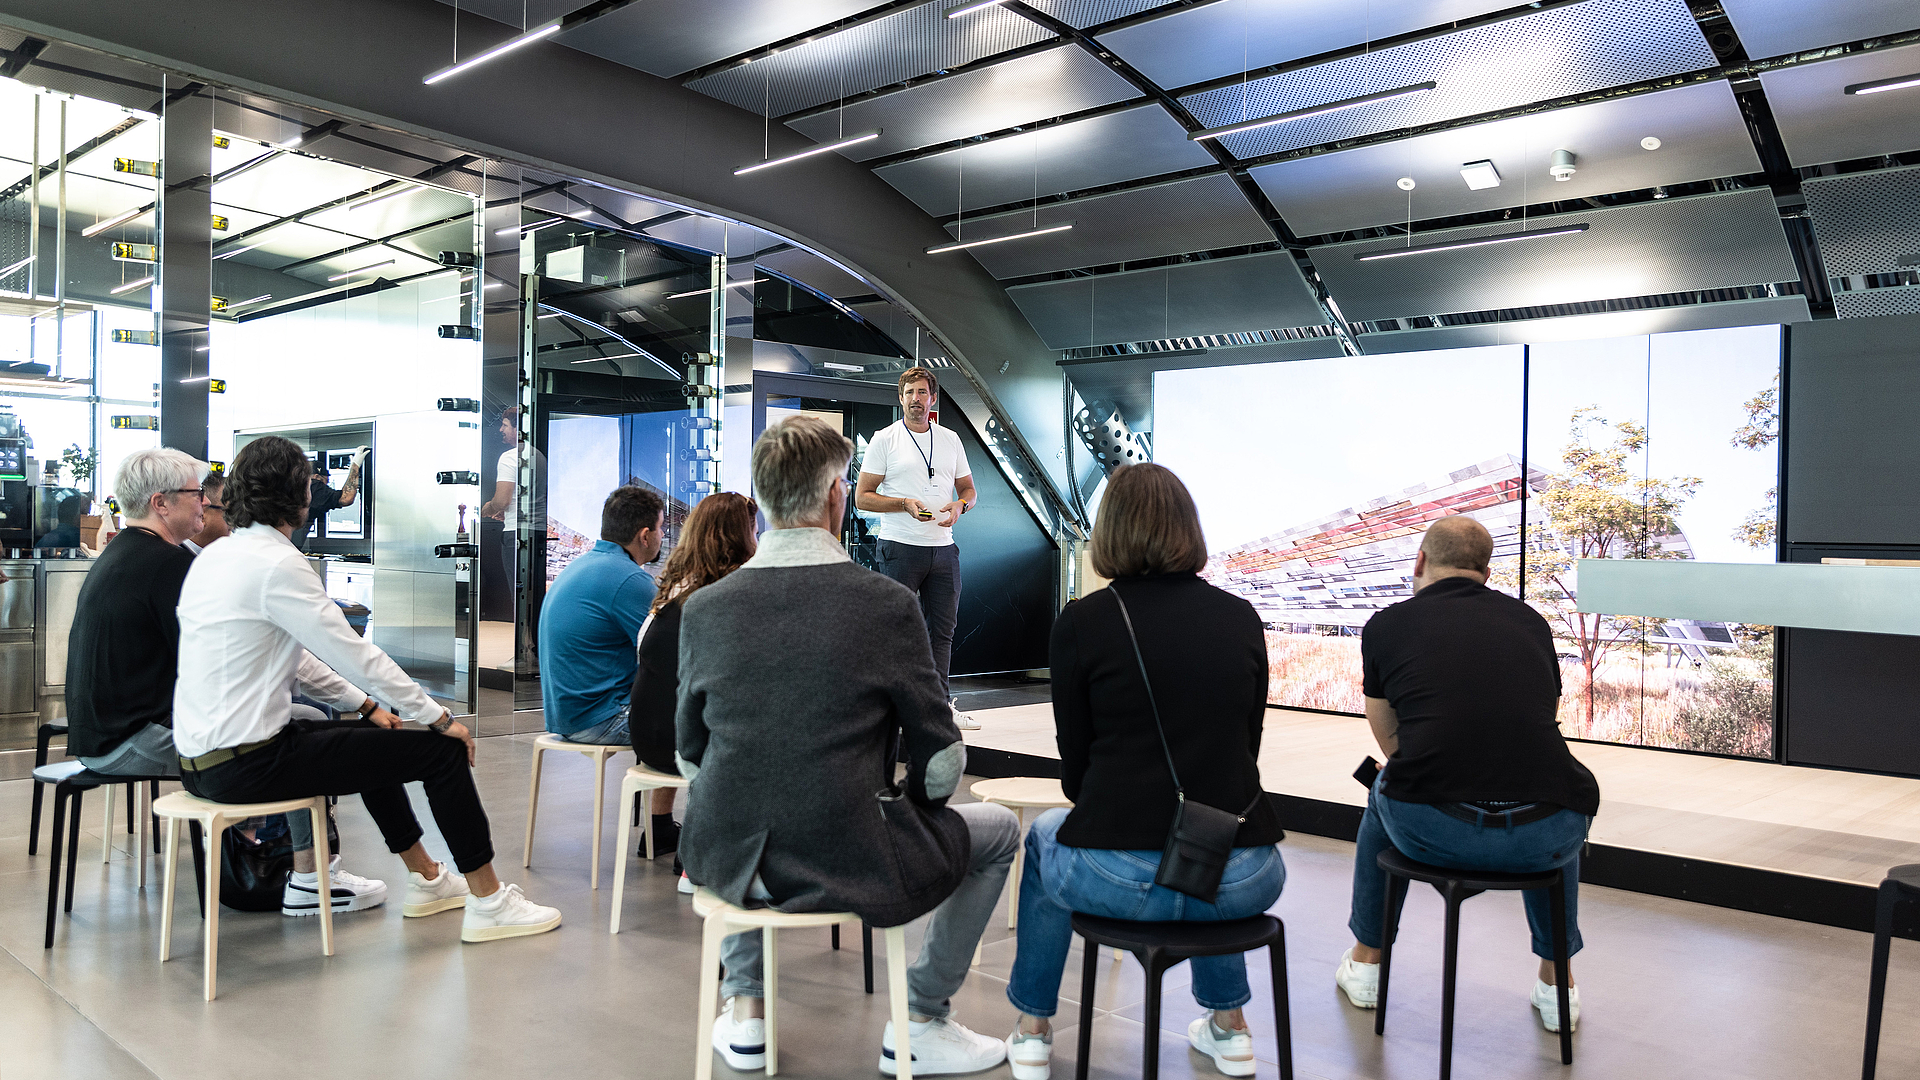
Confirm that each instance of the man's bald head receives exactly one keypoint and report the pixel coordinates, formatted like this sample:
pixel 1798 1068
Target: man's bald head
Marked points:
pixel 1458 543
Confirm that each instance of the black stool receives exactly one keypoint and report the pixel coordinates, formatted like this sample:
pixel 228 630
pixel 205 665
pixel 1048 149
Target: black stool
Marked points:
pixel 70 782
pixel 1456 887
pixel 1159 946
pixel 1901 886
pixel 42 741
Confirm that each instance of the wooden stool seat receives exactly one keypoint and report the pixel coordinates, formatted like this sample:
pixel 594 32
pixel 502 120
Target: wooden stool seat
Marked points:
pixel 724 919
pixel 599 753
pixel 639 780
pixel 1019 794
pixel 215 818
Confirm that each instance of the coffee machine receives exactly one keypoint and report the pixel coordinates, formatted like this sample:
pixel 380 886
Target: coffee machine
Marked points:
pixel 16 493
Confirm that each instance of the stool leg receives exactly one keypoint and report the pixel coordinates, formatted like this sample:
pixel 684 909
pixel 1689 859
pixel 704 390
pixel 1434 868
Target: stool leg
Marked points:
pixel 169 871
pixel 533 806
pixel 196 839
pixel 1282 1007
pixel 41 739
pixel 836 937
pixel 643 809
pixel 133 790
pixel 1449 966
pixel 770 981
pixel 712 933
pixel 1089 970
pixel 1019 860
pixel 1557 905
pixel 599 812
pixel 1876 984
pixel 73 842
pixel 216 831
pixel 621 838
pixel 153 793
pixel 33 831
pixel 1389 929
pixel 897 992
pixel 54 844
pixel 106 824
pixel 866 953
pixel 322 858
pixel 1156 965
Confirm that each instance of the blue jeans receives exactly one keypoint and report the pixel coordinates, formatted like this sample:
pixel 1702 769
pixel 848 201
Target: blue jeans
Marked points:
pixel 1427 835
pixel 613 731
pixel 1118 884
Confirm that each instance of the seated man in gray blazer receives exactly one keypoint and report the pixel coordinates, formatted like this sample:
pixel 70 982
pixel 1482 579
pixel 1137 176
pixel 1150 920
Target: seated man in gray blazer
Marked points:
pixel 796 673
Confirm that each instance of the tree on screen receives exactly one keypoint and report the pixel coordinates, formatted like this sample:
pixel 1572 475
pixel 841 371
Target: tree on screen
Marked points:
pixel 1760 431
pixel 1600 507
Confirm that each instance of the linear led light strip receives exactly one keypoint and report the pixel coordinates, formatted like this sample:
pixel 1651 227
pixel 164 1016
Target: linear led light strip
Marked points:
pixel 962 246
pixel 1477 241
pixel 342 276
pixel 968 9
pixel 137 283
pixel 4 271
pixel 810 152
pixel 403 189
pixel 528 230
pixel 730 285
pixel 1881 86
pixel 119 219
pixel 1312 110
pixel 501 49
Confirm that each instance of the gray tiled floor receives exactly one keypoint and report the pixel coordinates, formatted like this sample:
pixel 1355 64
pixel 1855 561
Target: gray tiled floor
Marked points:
pixel 1671 989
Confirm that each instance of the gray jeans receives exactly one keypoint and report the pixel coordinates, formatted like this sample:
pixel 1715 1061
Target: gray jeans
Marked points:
pixel 953 930
pixel 147 752
pixel 932 574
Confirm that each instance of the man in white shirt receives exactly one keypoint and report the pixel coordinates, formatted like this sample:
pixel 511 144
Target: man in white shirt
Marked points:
pixel 916 475
pixel 249 605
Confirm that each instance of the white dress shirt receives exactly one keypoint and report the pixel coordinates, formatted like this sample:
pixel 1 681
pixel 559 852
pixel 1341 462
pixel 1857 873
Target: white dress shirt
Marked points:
pixel 250 611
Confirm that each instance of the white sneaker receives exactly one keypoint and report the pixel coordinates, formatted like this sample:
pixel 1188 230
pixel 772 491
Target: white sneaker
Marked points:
pixel 350 892
pixel 431 897
pixel 507 913
pixel 1360 982
pixel 962 720
pixel 1231 1051
pixel 942 1047
pixel 1030 1055
pixel 742 1044
pixel 685 887
pixel 1547 1000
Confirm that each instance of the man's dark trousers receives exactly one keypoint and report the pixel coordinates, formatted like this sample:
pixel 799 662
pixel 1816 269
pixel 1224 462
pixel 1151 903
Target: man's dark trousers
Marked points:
pixel 933 574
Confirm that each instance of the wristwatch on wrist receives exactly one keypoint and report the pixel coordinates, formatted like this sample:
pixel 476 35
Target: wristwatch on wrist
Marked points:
pixel 440 726
pixel 368 708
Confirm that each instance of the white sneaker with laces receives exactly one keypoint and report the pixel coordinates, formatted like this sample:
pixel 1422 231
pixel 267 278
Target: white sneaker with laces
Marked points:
pixel 507 913
pixel 942 1047
pixel 1030 1055
pixel 962 720
pixel 1546 999
pixel 1231 1051
pixel 686 884
pixel 444 893
pixel 350 892
pixel 1360 982
pixel 742 1044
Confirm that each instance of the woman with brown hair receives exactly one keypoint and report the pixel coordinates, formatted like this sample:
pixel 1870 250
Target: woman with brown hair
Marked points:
pixel 718 536
pixel 1198 672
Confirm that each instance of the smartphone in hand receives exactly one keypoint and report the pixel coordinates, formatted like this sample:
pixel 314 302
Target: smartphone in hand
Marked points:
pixel 1368 772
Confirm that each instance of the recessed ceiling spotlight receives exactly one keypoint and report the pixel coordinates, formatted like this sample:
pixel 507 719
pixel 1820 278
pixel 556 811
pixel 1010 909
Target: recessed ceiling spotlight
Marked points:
pixel 1405 183
pixel 1651 142
pixel 1480 175
pixel 1562 168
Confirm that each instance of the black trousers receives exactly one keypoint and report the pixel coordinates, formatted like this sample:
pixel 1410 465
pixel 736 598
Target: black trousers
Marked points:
pixel 933 574
pixel 346 757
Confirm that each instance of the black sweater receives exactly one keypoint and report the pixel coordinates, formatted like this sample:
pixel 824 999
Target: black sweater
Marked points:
pixel 124 651
pixel 655 689
pixel 1206 654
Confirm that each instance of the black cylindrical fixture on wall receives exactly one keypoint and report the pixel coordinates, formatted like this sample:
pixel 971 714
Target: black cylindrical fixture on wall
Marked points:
pixel 185 285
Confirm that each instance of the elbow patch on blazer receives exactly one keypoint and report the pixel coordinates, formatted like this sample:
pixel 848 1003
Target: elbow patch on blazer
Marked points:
pixel 687 768
pixel 944 770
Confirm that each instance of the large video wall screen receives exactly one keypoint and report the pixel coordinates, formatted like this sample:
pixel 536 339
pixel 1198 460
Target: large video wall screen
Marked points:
pixel 1317 478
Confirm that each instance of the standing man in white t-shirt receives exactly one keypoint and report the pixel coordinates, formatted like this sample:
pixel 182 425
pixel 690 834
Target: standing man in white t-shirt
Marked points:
pixel 916 475
pixel 504 507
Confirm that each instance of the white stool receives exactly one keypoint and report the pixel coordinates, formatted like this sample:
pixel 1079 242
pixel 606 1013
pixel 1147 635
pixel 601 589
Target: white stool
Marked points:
pixel 1020 794
pixel 723 919
pixel 599 754
pixel 639 780
pixel 215 818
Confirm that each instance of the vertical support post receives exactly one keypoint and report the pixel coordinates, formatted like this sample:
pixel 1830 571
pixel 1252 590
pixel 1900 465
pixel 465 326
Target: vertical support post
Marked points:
pixel 185 273
pixel 60 249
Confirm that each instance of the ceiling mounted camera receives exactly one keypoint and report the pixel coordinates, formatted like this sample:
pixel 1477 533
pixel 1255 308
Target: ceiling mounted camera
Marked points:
pixel 1562 168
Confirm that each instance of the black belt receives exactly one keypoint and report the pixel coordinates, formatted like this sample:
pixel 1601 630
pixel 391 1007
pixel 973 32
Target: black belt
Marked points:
pixel 1519 815
pixel 225 754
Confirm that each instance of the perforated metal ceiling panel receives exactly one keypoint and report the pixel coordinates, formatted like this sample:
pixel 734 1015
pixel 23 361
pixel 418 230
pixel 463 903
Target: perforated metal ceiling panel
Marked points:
pixel 1867 223
pixel 1201 214
pixel 903 45
pixel 1901 300
pixel 1085 13
pixel 1061 80
pixel 1128 382
pixel 668 37
pixel 1777 27
pixel 1702 136
pixel 1820 122
pixel 1219 296
pixel 1613 324
pixel 1128 145
pixel 1715 241
pixel 1552 53
pixel 1209 41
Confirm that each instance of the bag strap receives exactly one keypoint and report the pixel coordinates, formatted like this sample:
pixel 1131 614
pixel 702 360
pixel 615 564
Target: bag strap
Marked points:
pixel 1178 791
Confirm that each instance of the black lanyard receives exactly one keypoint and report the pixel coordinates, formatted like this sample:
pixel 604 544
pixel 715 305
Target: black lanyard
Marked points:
pixel 925 455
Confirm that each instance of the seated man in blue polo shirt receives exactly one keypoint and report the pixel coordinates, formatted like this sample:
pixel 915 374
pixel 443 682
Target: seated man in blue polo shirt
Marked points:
pixel 590 623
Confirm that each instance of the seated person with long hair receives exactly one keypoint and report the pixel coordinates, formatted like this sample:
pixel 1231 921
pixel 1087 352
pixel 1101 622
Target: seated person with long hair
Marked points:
pixel 1205 654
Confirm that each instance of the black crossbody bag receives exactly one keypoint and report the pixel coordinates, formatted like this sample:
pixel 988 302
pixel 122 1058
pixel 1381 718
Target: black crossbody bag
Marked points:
pixel 1201 840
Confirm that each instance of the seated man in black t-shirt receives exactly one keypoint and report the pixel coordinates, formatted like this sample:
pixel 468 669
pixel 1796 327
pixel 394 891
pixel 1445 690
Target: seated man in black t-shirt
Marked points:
pixel 1462 689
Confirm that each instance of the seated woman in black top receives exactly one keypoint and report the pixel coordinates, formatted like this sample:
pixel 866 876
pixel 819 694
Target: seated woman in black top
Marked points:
pixel 718 536
pixel 1206 654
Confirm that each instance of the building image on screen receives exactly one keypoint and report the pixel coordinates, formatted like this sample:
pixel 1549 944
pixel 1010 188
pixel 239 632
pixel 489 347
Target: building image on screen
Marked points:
pixel 1316 481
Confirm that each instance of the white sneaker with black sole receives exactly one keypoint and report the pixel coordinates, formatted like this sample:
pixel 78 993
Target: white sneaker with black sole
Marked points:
pixel 742 1044
pixel 1231 1051
pixel 507 913
pixel 351 892
pixel 433 896
pixel 942 1047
